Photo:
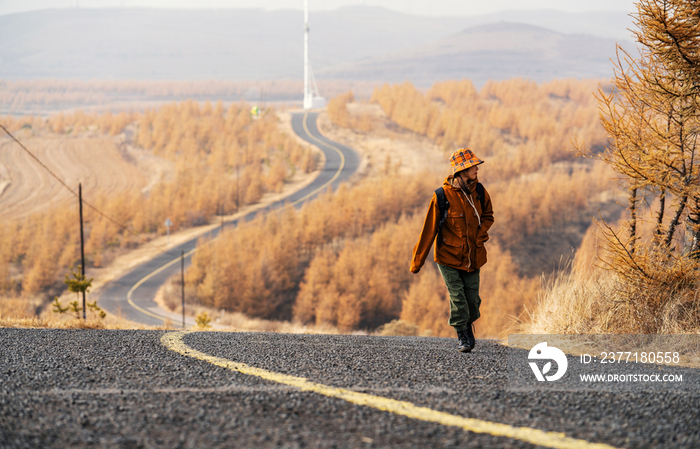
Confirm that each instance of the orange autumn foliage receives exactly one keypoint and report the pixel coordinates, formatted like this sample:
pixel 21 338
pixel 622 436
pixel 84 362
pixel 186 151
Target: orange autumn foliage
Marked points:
pixel 339 114
pixel 222 160
pixel 258 267
pixel 500 120
pixel 42 95
pixel 504 296
pixel 359 286
pixel 426 303
pixel 343 261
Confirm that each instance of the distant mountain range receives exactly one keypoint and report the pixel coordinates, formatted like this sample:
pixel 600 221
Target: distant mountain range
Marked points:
pixel 495 51
pixel 359 43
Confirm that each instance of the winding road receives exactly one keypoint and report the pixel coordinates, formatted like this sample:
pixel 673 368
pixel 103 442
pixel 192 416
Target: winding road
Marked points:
pixel 162 389
pixel 131 295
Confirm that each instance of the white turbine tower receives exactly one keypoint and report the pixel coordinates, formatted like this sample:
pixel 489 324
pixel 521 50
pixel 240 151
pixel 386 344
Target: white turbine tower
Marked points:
pixel 311 95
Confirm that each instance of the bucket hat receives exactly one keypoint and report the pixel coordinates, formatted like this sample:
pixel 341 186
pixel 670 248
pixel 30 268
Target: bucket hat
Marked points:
pixel 463 159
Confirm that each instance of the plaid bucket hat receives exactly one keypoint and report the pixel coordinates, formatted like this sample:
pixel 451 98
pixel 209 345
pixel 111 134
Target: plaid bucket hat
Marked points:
pixel 463 159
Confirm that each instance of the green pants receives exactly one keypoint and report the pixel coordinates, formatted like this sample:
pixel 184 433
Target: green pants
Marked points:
pixel 463 288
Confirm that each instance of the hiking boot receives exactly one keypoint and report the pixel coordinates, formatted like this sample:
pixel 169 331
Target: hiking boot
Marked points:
pixel 464 345
pixel 470 335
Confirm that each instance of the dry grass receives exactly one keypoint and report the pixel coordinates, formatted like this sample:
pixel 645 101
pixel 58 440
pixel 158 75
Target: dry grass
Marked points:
pixel 19 312
pixel 74 323
pixel 586 299
pixel 601 303
pixel 597 302
pixel 572 303
pixel 401 329
pixel 15 313
pixel 71 322
pixel 169 297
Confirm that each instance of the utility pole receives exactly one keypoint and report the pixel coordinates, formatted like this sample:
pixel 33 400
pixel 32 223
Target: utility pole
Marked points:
pixel 182 278
pixel 82 241
pixel 308 96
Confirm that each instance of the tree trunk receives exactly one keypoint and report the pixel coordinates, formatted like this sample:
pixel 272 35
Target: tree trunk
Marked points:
pixel 674 223
pixel 633 219
pixel 660 215
pixel 694 219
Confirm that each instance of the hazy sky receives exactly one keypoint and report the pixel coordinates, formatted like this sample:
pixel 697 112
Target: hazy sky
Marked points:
pixel 421 7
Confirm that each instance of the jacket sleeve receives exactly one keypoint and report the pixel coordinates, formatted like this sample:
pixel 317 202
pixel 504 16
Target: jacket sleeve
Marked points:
pixel 427 235
pixel 486 220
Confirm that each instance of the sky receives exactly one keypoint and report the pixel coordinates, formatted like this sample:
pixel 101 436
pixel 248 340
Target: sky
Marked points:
pixel 418 7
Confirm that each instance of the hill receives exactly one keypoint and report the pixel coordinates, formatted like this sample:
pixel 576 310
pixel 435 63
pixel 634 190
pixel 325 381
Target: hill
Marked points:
pixel 608 24
pixel 494 51
pixel 238 44
pixel 254 44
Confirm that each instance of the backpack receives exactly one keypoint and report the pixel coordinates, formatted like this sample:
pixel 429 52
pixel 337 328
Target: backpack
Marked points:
pixel 444 205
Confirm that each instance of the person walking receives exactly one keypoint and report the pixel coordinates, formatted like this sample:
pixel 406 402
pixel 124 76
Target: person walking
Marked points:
pixel 458 220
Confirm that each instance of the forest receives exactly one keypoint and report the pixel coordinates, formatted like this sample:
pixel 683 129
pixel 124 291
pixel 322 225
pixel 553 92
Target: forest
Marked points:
pixel 595 186
pixel 221 159
pixel 342 260
pixel 47 96
pixel 649 284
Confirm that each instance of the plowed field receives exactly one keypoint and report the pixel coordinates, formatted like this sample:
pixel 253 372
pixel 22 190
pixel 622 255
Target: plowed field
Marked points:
pixel 96 162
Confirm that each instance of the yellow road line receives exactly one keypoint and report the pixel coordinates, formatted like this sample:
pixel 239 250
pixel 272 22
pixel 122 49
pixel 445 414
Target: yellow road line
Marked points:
pixel 150 275
pixel 174 342
pixel 337 173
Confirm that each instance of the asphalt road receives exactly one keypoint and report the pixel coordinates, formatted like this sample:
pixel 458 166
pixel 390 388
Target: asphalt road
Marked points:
pixel 143 389
pixel 127 389
pixel 341 163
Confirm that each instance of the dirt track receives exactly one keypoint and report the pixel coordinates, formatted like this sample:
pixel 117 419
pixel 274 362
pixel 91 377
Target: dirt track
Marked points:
pixel 96 162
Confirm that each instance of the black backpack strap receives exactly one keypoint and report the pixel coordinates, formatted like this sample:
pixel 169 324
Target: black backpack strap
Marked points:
pixel 443 205
pixel 481 195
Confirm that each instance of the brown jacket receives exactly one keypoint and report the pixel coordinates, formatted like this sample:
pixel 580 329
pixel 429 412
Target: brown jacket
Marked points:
pixel 461 240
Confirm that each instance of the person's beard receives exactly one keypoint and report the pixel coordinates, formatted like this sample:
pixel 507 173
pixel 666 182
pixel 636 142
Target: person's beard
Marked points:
pixel 464 185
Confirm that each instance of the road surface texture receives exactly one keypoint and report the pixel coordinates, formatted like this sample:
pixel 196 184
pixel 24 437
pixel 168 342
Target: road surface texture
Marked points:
pixel 141 389
pixel 131 296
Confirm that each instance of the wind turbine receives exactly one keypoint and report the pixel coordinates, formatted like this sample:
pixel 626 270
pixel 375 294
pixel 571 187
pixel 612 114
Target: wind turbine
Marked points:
pixel 312 99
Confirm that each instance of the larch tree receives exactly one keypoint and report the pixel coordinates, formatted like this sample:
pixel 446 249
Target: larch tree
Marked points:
pixel 652 117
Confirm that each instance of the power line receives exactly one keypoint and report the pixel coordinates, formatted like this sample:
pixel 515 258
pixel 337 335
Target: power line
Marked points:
pixel 37 159
pixel 123 226
pixel 120 225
